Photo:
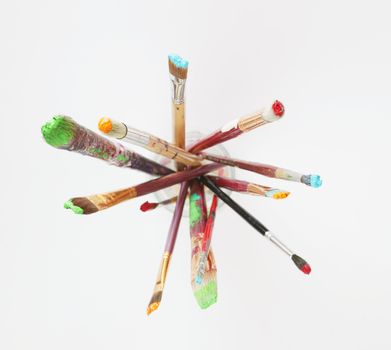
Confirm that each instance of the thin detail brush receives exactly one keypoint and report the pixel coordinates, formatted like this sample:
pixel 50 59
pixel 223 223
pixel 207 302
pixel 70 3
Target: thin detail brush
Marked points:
pixel 299 262
pixel 266 170
pixel 147 206
pixel 168 250
pixel 92 204
pixel 64 133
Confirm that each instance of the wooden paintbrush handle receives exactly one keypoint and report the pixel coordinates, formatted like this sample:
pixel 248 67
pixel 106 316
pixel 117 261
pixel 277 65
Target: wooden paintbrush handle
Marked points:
pixel 179 127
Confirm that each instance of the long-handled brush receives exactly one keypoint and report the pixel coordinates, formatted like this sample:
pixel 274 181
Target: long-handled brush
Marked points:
pixel 299 262
pixel 206 240
pixel 205 292
pixel 64 133
pixel 178 74
pixel 92 204
pixel 239 126
pixel 124 132
pixel 266 170
pixel 168 250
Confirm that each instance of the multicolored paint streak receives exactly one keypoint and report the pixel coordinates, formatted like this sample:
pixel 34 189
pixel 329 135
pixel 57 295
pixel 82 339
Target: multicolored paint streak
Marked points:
pixel 64 133
pixel 206 291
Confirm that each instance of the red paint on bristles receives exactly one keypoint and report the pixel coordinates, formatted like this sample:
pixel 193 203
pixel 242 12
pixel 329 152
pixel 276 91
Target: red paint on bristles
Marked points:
pixel 306 268
pixel 278 108
pixel 148 206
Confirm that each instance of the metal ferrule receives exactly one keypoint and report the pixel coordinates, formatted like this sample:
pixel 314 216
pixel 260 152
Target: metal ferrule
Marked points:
pixel 178 89
pixel 278 243
pixel 136 137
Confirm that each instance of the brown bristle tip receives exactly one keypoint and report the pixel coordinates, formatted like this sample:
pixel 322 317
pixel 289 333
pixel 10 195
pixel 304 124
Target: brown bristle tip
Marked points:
pixel 177 66
pixel 85 204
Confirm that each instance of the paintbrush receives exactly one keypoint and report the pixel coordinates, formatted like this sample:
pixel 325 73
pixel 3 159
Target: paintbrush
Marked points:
pixel 299 262
pixel 64 133
pixel 178 74
pixel 97 202
pixel 229 184
pixel 239 126
pixel 124 132
pixel 248 187
pixel 205 293
pixel 168 250
pixel 206 240
pixel 266 170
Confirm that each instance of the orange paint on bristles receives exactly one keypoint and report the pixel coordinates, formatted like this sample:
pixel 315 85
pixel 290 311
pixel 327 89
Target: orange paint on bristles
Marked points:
pixel 105 125
pixel 153 307
pixel 281 195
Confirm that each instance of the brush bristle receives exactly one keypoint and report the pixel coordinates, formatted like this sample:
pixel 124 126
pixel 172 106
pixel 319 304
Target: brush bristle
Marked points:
pixel 59 132
pixel 301 264
pixel 112 128
pixel 154 302
pixel 276 193
pixel 312 180
pixel 148 206
pixel 178 66
pixel 206 293
pixel 81 205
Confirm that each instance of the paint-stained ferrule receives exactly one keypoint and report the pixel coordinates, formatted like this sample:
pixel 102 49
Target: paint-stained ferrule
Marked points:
pixel 178 89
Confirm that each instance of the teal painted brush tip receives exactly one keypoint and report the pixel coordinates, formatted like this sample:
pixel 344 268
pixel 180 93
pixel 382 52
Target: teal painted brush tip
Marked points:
pixel 315 181
pixel 198 279
pixel 59 131
pixel 69 205
pixel 178 61
pixel 206 295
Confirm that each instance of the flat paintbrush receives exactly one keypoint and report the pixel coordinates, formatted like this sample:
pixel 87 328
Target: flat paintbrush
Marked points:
pixel 299 262
pixel 94 203
pixel 239 126
pixel 266 170
pixel 64 133
pixel 178 75
pixel 168 250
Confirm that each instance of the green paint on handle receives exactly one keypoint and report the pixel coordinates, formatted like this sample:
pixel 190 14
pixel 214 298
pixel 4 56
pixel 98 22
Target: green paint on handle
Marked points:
pixel 195 209
pixel 59 131
pixel 206 295
pixel 74 208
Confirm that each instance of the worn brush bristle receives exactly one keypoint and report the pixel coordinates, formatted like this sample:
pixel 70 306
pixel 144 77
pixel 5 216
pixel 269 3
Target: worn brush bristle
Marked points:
pixel 148 206
pixel 81 205
pixel 112 128
pixel 301 264
pixel 206 292
pixel 312 180
pixel 59 132
pixel 276 193
pixel 178 66
pixel 154 302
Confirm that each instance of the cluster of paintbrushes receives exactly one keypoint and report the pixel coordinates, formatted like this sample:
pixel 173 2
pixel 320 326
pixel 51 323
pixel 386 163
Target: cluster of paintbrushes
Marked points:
pixel 193 165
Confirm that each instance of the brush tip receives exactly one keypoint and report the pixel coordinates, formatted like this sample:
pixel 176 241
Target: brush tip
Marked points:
pixel 277 194
pixel 69 205
pixel 105 125
pixel 148 206
pixel 278 108
pixel 178 66
pixel 301 264
pixel 152 307
pixel 315 181
pixel 59 131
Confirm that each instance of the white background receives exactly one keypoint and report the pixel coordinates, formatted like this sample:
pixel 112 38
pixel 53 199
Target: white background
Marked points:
pixel 83 282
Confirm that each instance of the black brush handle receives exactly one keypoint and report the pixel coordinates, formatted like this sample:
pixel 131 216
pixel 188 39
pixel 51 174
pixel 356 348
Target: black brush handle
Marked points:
pixel 235 206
